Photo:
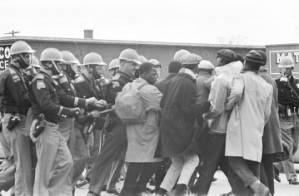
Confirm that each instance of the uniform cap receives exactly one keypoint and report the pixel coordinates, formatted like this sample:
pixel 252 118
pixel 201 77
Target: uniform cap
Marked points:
pixel 286 62
pixel 227 54
pixel 155 62
pixel 142 59
pixel 19 47
pixel 190 59
pixel 204 64
pixel 129 55
pixel 68 57
pixel 179 54
pixel 51 54
pixel 256 56
pixel 93 58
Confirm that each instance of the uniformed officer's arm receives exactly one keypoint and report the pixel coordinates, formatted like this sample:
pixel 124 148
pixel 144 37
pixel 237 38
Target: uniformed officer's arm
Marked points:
pixel 3 87
pixel 70 101
pixel 46 104
pixel 18 92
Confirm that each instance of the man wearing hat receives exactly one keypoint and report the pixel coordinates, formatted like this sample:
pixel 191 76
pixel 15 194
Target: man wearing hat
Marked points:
pixel 288 99
pixel 179 111
pixel 244 144
pixel 213 139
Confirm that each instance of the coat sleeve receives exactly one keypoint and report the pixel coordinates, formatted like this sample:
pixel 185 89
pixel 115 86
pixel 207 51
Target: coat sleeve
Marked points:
pixel 236 93
pixel 43 98
pixel 70 101
pixel 217 98
pixel 151 97
pixel 269 100
pixel 187 101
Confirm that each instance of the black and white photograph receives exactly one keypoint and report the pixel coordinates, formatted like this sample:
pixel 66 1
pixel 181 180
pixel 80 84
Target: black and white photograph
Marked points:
pixel 149 98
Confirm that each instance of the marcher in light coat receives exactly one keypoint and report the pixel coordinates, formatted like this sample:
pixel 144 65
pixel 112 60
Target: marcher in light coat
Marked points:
pixel 244 144
pixel 143 138
pixel 212 141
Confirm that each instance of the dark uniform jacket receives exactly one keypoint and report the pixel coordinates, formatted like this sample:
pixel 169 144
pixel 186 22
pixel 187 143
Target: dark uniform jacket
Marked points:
pixel 48 98
pixel 288 96
pixel 116 85
pixel 83 87
pixel 14 91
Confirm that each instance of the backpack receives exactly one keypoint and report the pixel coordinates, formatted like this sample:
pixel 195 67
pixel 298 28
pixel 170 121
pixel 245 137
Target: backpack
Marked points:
pixel 129 106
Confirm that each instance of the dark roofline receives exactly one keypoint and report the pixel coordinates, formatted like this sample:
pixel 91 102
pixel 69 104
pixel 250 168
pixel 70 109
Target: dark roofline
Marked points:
pixel 99 41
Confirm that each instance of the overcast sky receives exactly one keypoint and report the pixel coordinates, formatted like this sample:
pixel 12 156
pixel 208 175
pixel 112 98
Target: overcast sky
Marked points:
pixel 256 22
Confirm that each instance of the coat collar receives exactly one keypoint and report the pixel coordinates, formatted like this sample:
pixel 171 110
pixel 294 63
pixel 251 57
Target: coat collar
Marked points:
pixel 188 72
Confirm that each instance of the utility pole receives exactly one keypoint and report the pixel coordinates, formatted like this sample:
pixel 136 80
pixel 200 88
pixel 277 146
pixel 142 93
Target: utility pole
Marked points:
pixel 12 33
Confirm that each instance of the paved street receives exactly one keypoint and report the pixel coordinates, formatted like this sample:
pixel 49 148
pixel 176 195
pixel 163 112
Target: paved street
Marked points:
pixel 222 186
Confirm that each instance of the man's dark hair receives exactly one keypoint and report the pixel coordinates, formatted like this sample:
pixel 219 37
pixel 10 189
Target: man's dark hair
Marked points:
pixel 174 67
pixel 145 68
pixel 239 57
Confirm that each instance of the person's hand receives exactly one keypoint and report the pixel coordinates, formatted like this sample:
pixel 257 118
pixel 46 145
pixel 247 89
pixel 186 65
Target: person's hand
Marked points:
pixel 91 100
pixel 72 112
pixel 95 114
pixel 101 103
pixel 32 130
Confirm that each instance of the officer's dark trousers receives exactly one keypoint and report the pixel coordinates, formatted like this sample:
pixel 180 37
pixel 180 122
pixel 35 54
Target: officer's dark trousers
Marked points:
pixel 137 177
pixel 267 174
pixel 114 149
pixel 213 157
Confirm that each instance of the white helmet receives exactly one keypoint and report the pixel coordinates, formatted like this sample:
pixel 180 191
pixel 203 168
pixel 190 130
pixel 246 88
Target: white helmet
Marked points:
pixel 129 55
pixel 286 62
pixel 179 54
pixel 204 64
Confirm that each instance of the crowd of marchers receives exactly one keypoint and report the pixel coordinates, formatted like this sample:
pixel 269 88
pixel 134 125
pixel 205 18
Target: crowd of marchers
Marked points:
pixel 65 124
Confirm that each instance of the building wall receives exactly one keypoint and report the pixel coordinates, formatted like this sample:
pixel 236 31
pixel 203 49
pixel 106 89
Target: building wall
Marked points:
pixel 163 53
pixel 275 52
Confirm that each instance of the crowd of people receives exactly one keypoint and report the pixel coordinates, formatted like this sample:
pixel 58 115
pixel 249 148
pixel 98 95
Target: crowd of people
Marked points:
pixel 66 124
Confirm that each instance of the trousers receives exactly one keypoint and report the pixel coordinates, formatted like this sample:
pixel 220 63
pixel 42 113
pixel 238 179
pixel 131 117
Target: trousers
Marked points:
pixel 138 175
pixel 19 147
pixel 113 150
pixel 181 169
pixel 212 157
pixel 54 164
pixel 248 171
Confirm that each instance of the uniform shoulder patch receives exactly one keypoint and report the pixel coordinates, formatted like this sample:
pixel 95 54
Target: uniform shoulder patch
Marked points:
pixel 40 84
pixel 15 77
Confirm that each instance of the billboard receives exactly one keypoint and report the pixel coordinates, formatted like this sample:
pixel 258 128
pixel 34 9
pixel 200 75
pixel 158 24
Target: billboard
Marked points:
pixel 4 56
pixel 275 56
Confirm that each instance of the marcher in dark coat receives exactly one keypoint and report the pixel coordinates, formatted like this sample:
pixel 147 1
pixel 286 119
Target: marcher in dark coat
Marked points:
pixel 178 115
pixel 173 69
pixel 272 140
pixel 179 111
